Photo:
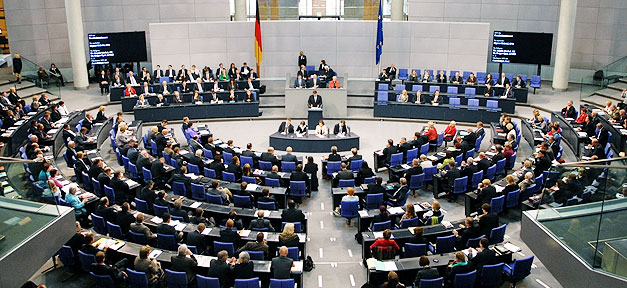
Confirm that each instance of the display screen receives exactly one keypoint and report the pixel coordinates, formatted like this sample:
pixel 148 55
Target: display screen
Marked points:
pixel 106 48
pixel 522 47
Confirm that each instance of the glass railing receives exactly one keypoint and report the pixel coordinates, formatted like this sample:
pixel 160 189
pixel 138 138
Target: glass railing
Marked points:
pixel 30 73
pixel 584 205
pixel 612 71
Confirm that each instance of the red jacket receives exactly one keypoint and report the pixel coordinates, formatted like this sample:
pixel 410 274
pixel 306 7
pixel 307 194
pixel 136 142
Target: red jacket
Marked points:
pixel 129 94
pixel 432 134
pixel 334 84
pixel 450 130
pixel 385 243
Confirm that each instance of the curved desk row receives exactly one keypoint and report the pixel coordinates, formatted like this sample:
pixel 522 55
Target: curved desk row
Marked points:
pixel 313 143
pixel 130 251
pixel 57 139
pixel 197 111
pixel 574 138
pixel 128 103
pixel 507 105
pixel 520 94
pixel 15 136
pixel 440 112
pixel 619 134
pixel 117 93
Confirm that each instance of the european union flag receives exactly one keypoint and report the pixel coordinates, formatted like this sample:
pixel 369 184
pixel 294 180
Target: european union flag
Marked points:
pixel 379 33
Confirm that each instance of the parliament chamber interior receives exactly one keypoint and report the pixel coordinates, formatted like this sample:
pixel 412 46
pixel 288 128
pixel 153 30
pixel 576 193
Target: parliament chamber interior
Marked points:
pixel 313 143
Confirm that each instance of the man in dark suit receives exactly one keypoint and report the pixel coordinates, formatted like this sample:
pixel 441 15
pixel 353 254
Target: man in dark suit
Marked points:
pixel 121 189
pixel 314 82
pixel 266 197
pixel 274 174
pixel 467 231
pixel 483 164
pixel 340 128
pixel 315 101
pixel 355 155
pixel 569 111
pixel 131 79
pixel 171 73
pixel 404 146
pixel 143 161
pixel 103 210
pixel 281 266
pixel 343 174
pixel 486 256
pixel 286 127
pixel 105 178
pixel 177 210
pixel 377 186
pixel 269 157
pixel 96 169
pixel 180 177
pixel 555 148
pixel 219 268
pixel 157 169
pixel 125 218
pixel 300 82
pixel 197 240
pixel 426 272
pixel 503 80
pixel 165 228
pixel 147 194
pixel 228 234
pixel 302 72
pixel 161 141
pixel 260 223
pixel 258 245
pixel 196 159
pixel 487 221
pixel 398 196
pixel 302 59
pixel 80 164
pixel 68 133
pixel 450 175
pixel 388 151
pixel 603 136
pixel 185 261
pixel 116 272
pixel 299 175
pixel 414 170
pixel 217 166
pixel 289 157
pixel 597 150
pixel 292 214
pixel 486 192
pixel 157 74
pixel 543 163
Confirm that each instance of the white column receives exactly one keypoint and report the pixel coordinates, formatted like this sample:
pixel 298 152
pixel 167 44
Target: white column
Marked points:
pixel 563 51
pixel 240 10
pixel 397 10
pixel 76 37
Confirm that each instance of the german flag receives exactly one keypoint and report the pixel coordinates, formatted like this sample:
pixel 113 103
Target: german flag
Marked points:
pixel 258 48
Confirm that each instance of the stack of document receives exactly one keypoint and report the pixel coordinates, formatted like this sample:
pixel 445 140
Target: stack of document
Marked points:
pixel 511 247
pixel 447 224
pixel 385 265
pixel 251 187
pixel 244 233
pixel 195 205
pixel 154 254
pixel 396 210
pixel 156 220
pixel 206 231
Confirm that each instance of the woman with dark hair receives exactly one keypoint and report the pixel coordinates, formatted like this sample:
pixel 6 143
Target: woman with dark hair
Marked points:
pixel 363 173
pixel 312 168
pixel 17 67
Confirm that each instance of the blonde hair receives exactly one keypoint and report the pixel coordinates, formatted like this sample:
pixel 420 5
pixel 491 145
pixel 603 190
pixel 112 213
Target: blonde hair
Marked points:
pixel 511 180
pixel 101 108
pixel 453 123
pixel 288 229
pixel 435 205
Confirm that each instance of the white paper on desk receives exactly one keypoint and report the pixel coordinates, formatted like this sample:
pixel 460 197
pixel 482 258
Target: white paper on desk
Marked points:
pixel 192 176
pixel 433 158
pixel 251 187
pixel 52 131
pixel 298 135
pixel 297 267
pixel 378 234
pixel 244 233
pixel 405 166
pixel 396 210
pixel 436 104
pixel 179 227
pixel 489 153
pixel 156 220
pixel 131 182
pixel 3 174
pixel 498 188
pixel 467 252
pixel 183 152
pixel 174 223
pixel 569 119
pixel 106 243
pixel 65 182
pixel 206 231
pixel 511 247
pixel 363 213
pixel 442 154
pixel 5 183
pixel 117 245
pixel 428 213
pixel 154 254
pixel 447 224
pixel 257 172
pixel 195 205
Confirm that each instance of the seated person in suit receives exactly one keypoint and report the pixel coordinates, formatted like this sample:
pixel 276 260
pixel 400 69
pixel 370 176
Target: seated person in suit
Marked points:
pixel 300 82
pixel 418 236
pixel 569 111
pixel 426 76
pixel 426 272
pixel 177 210
pixel 508 92
pixel 165 228
pixel 472 79
pixel 344 174
pixel 196 239
pixel 314 82
pixel 487 221
pixel 377 186
pixel 334 156
pixel 270 157
pixel 363 173
pixel 228 234
pixel 116 272
pixel 289 157
pixel 485 256
pixel 399 195
pixel 467 231
pixel 340 128
pixel 288 238
pixel 302 128
pixel 140 228
pixel 437 99
pixel 185 261
pixel 503 80
pixel 314 101
pixel 260 223
pixel 286 127
pixel 258 245
pixel 441 78
pixel 457 79
pixel 419 98
pixel 281 266
pixel 519 82
pixel 321 129
pixel 413 77
pixel 383 76
pixel 292 214
pixel 459 266
pixel 489 91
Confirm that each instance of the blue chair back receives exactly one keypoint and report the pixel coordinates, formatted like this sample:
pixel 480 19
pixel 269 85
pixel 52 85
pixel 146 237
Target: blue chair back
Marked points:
pixel 383 86
pixel 167 242
pixel 132 169
pixel 114 230
pixel 382 96
pixel 265 165
pixel 175 279
pixel 272 182
pixel 406 223
pixel 370 180
pixel 109 193
pixel 492 275
pixel 137 279
pixel 281 283
pixel 451 90
pixel 416 88
pixel 219 246
pixel 207 153
pixel 198 192
pixel 460 184
pixel 147 174
pixel 470 90
pixel 466 280
pixel 297 188
pixel 415 250
pixel 497 235
pixel 497 204
pixel 349 209
pixel 246 160
pixel 347 183
pixel 210 173
pixel 256 255
pixel 500 167
pixel 228 176
pixel 396 159
pixel 535 81
pixel 402 74
pixel 474 242
pixel 424 149
pixel 433 88
pixel 417 181
pixel 381 226
pixel 249 179
pixel 356 165
pixel 476 179
pixel 192 168
pixel 473 104
pixel 298 227
pixel 138 238
pixel 512 199
pixel 411 155
pixel 374 201
pixel 178 188
pixel 87 182
pixel 492 105
pixel 247 283
pixel 209 282
pixel 99 224
pixel 491 172
pixel 399 87
pixel 159 210
pixel 266 205
pixel 103 281
pixel 153 147
pixel 97 187
pixel 333 166
pixel 242 201
pixel 86 260
pixel 214 199
pixel 444 244
pixel 292 252
pixel 66 255
pixel 429 172
pixel 431 283
pixel 454 102
pixel 287 166
pixel 228 157
pixel 521 268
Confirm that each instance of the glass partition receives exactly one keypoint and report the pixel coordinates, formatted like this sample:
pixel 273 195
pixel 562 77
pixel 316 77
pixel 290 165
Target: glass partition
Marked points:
pixel 44 81
pixel 584 205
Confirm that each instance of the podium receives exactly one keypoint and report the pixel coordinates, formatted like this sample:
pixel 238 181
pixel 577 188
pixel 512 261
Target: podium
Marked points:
pixel 313 116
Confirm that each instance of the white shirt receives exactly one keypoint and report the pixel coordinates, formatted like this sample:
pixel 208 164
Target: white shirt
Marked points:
pixel 199 86
pixel 322 130
pixel 133 82
pixel 63 110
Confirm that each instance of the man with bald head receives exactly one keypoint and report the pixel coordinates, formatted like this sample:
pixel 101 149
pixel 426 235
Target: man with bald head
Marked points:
pixel 270 157
pixel 289 157
pixel 260 224
pixel 281 266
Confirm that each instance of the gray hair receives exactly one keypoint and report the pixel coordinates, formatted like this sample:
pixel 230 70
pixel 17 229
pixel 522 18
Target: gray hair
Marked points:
pixel 182 249
pixel 529 175
pixel 244 257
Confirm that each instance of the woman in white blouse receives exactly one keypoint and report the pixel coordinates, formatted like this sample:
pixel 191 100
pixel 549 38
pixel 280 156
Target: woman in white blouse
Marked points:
pixel 321 129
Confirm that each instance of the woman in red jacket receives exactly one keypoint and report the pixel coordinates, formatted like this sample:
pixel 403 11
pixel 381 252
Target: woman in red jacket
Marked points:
pixel 431 133
pixel 385 244
pixel 450 131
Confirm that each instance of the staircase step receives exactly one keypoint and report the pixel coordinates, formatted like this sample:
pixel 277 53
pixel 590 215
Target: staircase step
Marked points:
pixel 360 101
pixel 272 112
pixel 19 87
pixel 618 86
pixel 624 80
pixel 359 112
pixel 609 93
pixel 270 101
pixel 28 92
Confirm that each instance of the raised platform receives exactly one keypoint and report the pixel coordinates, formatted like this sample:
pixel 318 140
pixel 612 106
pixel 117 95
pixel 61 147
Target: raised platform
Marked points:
pixel 312 143
pixel 442 112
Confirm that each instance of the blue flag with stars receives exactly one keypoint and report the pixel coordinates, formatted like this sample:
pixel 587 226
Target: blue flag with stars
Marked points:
pixel 379 43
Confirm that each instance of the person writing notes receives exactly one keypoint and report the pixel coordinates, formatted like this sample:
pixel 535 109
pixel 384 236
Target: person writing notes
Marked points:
pixel 437 100
pixel 286 127
pixel 321 129
pixel 314 101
